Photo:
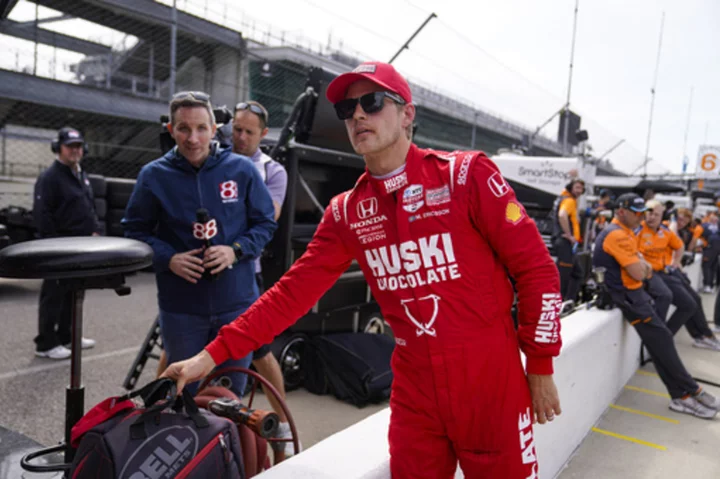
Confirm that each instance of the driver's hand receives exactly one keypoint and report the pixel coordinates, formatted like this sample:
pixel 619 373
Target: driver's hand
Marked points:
pixel 190 370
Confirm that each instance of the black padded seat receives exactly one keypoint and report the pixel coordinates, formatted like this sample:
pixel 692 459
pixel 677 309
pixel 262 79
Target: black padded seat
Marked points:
pixel 78 264
pixel 77 257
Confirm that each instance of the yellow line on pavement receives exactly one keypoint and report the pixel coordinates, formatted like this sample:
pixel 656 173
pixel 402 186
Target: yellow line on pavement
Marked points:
pixel 647 391
pixel 647 373
pixel 643 413
pixel 629 439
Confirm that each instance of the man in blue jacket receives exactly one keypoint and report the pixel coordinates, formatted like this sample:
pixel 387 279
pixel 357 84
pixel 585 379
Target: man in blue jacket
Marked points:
pixel 204 265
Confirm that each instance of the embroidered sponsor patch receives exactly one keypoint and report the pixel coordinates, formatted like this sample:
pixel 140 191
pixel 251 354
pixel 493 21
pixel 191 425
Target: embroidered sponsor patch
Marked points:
pixel 498 185
pixel 438 196
pixel 396 182
pixel 464 169
pixel 514 212
pixel 367 208
pixel 228 191
pixel 413 198
pixel 547 329
pixel 336 210
pixel 365 69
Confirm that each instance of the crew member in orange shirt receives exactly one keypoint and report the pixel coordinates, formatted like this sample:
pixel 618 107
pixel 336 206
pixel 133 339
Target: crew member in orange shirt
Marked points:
pixel 567 237
pixel 663 250
pixel 616 251
pixel 686 231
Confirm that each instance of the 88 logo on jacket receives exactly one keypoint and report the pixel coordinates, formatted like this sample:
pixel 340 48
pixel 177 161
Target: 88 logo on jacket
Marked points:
pixel 229 191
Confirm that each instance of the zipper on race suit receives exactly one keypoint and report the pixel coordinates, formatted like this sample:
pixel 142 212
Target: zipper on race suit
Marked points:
pixel 185 472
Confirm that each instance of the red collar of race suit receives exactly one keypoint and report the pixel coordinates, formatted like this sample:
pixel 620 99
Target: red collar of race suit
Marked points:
pixel 392 184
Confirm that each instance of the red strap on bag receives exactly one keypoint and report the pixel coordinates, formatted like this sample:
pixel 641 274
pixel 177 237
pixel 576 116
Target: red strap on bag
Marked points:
pixel 103 411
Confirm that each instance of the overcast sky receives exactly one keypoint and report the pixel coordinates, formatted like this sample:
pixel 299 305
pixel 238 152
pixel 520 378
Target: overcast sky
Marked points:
pixel 511 57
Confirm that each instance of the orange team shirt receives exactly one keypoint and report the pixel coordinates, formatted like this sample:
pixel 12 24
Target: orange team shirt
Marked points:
pixel 621 244
pixel 697 234
pixel 569 205
pixel 657 246
pixel 698 231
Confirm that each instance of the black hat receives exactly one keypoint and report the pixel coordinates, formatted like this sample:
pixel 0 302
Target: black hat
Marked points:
pixel 632 202
pixel 605 192
pixel 68 136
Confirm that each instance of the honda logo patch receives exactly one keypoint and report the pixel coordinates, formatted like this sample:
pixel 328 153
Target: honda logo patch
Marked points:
pixel 367 208
pixel 498 185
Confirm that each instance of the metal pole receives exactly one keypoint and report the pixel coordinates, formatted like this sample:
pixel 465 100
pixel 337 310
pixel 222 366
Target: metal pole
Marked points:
pixel 173 47
pixel 474 132
pixel 407 43
pixel 75 393
pixel 35 54
pixel 611 149
pixel 108 78
pixel 567 101
pixel 687 129
pixel 4 150
pixel 151 68
pixel 652 99
pixel 707 125
pixel 548 121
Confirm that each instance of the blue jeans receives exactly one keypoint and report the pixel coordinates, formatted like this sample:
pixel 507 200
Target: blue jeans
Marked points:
pixel 185 335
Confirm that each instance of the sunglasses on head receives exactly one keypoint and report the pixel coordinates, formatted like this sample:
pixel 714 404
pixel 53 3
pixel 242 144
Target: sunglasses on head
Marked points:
pixel 195 95
pixel 253 108
pixel 370 103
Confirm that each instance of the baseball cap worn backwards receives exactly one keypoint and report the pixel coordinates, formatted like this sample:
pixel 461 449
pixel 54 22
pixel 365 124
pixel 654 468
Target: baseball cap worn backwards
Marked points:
pixel 632 202
pixel 382 74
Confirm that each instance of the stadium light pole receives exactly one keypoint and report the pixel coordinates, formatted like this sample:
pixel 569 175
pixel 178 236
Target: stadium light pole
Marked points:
pixel 569 88
pixel 407 43
pixel 652 97
pixel 687 130
pixel 613 148
pixel 173 47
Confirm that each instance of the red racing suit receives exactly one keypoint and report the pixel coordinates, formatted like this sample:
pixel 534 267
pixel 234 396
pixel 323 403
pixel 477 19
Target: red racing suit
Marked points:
pixel 436 243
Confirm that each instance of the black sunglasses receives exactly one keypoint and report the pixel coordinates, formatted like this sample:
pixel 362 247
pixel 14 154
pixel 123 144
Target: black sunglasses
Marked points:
pixel 370 103
pixel 253 108
pixel 195 95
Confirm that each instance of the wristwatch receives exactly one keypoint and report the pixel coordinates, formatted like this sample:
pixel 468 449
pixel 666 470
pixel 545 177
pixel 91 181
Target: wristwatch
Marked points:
pixel 238 251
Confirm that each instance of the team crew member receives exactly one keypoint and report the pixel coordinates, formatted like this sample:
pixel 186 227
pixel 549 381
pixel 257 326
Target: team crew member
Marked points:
pixel 668 285
pixel 616 250
pixel 249 127
pixel 567 237
pixel 435 235
pixel 598 207
pixel 63 206
pixel 687 234
pixel 711 235
pixel 163 212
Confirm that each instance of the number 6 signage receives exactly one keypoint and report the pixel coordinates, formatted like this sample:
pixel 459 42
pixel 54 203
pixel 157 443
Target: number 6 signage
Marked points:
pixel 708 165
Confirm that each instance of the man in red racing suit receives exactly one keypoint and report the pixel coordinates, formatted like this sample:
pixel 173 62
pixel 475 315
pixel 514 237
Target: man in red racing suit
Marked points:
pixel 436 239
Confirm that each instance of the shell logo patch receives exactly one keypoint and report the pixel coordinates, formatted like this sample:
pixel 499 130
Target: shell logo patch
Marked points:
pixel 514 212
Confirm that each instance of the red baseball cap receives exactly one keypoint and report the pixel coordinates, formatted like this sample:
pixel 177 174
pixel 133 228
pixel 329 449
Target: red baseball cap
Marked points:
pixel 382 74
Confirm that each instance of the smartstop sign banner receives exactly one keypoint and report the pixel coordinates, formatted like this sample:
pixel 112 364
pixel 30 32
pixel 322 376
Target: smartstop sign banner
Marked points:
pixel 548 174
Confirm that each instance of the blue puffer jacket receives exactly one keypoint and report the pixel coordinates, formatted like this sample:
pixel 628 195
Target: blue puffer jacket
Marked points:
pixel 163 208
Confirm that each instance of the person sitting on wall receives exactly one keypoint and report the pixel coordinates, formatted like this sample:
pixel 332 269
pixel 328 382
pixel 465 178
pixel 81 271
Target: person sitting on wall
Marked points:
pixel 668 285
pixel 616 250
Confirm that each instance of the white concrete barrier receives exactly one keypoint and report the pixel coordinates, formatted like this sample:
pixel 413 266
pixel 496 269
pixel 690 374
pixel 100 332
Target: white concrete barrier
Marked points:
pixel 600 352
